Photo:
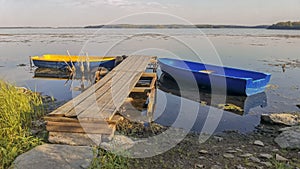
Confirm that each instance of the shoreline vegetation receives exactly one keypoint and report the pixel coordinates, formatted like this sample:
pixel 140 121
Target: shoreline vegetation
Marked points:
pixel 280 25
pixel 19 108
pixel 286 25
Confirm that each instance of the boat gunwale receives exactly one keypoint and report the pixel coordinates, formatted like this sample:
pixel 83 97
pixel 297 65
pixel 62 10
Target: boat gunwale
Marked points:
pixel 72 58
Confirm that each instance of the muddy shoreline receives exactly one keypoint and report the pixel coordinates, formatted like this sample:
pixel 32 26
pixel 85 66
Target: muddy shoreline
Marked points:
pixel 229 149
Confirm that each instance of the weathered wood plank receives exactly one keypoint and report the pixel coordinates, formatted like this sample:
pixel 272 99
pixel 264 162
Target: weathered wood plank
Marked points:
pixel 133 82
pixel 69 105
pixel 132 59
pixel 120 97
pixel 74 128
pixel 140 89
pixel 118 94
pixel 81 124
pixel 80 98
pixel 60 119
pixel 77 109
pixel 152 85
pixel 100 102
pixel 69 108
pixel 114 104
pixel 75 120
pixel 107 105
pixel 150 108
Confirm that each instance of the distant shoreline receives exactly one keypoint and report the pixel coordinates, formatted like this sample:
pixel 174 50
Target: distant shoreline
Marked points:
pixel 280 25
pixel 132 26
pixel 174 26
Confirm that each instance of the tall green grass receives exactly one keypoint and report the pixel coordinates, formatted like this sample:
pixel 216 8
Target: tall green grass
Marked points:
pixel 18 108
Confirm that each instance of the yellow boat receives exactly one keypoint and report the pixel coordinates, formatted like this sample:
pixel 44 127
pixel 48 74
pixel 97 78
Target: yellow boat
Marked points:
pixel 65 61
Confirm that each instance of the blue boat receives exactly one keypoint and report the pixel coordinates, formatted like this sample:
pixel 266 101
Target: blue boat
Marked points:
pixel 64 61
pixel 233 80
pixel 243 104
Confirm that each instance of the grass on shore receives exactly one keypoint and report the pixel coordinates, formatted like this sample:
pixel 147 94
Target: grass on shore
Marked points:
pixel 18 108
pixel 106 160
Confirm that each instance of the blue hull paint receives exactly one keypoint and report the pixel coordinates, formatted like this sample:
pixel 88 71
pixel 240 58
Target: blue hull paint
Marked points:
pixel 236 81
pixel 62 65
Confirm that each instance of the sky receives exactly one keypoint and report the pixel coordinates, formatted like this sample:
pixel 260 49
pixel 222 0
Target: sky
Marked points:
pixel 57 13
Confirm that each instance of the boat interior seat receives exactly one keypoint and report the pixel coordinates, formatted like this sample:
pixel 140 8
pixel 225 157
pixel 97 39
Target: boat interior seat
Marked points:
pixel 206 71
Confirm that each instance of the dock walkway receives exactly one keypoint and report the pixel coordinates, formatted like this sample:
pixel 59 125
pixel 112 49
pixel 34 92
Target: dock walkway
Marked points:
pixel 92 112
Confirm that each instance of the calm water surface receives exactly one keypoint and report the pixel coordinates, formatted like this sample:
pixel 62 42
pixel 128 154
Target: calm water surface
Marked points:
pixel 254 49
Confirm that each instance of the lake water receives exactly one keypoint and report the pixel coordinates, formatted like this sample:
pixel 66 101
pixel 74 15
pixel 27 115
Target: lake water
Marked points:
pixel 253 49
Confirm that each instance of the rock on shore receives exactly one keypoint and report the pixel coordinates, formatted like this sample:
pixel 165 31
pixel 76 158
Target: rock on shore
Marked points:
pixel 289 119
pixel 55 156
pixel 289 138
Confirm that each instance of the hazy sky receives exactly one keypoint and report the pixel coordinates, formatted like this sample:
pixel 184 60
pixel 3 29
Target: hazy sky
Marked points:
pixel 93 12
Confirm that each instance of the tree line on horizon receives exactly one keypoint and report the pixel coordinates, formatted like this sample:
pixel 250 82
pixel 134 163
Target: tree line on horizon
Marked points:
pixel 279 25
pixel 285 25
pixel 173 26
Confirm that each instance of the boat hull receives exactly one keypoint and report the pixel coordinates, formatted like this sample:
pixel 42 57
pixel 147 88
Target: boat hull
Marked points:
pixel 169 85
pixel 216 78
pixel 63 62
pixel 62 65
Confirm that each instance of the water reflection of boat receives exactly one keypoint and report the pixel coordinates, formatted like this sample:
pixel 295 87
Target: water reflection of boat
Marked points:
pixel 237 104
pixel 65 61
pixel 237 81
pixel 83 80
pixel 52 73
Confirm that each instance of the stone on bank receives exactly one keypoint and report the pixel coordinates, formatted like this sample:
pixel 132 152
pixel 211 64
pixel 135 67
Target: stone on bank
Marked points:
pixel 55 156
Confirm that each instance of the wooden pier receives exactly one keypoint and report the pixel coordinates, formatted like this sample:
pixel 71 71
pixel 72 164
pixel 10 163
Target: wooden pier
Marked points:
pixel 93 112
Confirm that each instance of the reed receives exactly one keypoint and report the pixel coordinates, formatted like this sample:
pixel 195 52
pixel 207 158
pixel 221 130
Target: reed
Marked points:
pixel 18 108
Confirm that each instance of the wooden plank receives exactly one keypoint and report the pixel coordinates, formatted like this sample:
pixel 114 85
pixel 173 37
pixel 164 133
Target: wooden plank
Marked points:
pixel 69 105
pixel 140 89
pixel 77 109
pixel 120 95
pixel 107 104
pixel 151 104
pixel 118 103
pixel 75 120
pixel 133 83
pixel 72 129
pixel 109 94
pixel 110 91
pixel 131 59
pixel 116 118
pixel 75 128
pixel 76 124
pixel 152 83
pixel 60 119
pixel 70 111
pixel 80 98
pixel 146 74
pixel 99 93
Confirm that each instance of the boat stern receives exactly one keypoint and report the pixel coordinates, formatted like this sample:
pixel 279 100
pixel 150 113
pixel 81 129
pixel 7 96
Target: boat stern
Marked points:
pixel 257 86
